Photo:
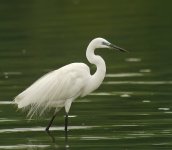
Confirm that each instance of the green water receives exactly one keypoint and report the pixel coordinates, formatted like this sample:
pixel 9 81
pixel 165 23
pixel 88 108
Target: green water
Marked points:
pixel 132 108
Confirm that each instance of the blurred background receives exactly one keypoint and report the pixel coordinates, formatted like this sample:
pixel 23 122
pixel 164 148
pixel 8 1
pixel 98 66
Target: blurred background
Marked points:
pixel 131 109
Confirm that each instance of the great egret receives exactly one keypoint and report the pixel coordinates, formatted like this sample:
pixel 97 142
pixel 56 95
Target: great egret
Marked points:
pixel 61 87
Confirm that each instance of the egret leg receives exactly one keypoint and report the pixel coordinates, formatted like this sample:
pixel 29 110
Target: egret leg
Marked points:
pixel 66 125
pixel 50 123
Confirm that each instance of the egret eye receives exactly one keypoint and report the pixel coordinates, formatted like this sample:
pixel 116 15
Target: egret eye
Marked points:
pixel 105 43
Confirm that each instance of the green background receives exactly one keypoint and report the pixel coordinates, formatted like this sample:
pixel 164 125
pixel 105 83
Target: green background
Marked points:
pixel 132 108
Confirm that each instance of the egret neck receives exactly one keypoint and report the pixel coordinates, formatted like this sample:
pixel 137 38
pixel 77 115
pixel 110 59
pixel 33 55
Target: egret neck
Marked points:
pixel 97 78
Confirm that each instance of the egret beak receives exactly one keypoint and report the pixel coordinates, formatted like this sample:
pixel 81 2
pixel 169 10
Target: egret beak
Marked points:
pixel 117 48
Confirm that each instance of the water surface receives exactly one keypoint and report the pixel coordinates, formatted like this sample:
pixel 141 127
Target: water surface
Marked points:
pixel 132 108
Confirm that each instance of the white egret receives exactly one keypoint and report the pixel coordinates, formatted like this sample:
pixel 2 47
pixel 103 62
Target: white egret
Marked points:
pixel 61 87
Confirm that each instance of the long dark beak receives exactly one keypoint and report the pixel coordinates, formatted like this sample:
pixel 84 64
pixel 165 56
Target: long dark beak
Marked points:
pixel 117 48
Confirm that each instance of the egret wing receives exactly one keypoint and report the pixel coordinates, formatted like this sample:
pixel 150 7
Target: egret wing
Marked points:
pixel 54 88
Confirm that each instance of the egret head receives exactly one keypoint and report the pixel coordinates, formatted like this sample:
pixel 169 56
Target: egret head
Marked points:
pixel 102 43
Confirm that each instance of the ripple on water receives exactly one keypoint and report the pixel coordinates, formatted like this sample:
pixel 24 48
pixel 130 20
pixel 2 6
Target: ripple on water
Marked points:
pixel 125 95
pixel 6 102
pixel 124 75
pixel 99 138
pixel 102 93
pixel 8 120
pixel 164 143
pixel 168 112
pixel 165 109
pixel 127 125
pixel 12 73
pixel 133 59
pixel 22 146
pixel 122 94
pixel 146 101
pixel 145 70
pixel 43 129
pixel 142 134
pixel 139 82
pixel 7 74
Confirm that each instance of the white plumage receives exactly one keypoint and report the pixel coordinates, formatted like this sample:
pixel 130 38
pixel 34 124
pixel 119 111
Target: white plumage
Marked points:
pixel 59 88
pixel 55 88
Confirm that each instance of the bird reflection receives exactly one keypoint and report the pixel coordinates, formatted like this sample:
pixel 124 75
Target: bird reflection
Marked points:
pixel 51 136
pixel 66 140
pixel 53 139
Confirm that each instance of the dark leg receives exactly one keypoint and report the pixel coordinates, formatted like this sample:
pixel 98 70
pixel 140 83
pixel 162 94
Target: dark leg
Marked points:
pixel 66 124
pixel 50 123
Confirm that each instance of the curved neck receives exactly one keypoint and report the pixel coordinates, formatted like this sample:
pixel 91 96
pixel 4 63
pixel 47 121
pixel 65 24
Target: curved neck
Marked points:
pixel 98 76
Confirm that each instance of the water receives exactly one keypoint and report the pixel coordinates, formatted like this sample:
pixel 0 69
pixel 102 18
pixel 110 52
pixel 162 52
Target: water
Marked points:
pixel 132 108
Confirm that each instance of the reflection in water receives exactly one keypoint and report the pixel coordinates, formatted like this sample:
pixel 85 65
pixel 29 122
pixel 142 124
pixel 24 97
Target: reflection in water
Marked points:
pixel 66 141
pixel 54 142
pixel 51 135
